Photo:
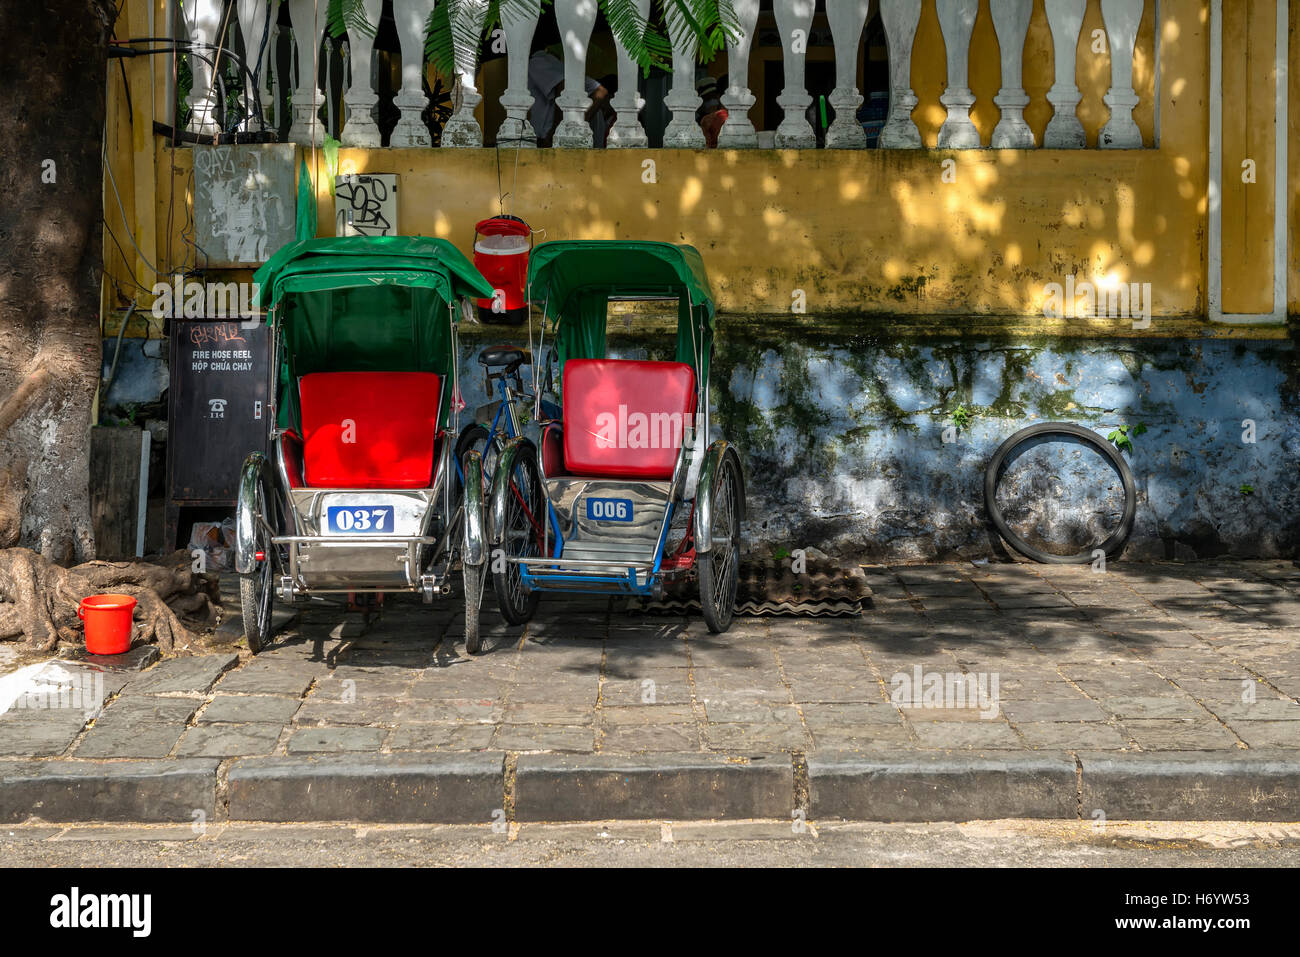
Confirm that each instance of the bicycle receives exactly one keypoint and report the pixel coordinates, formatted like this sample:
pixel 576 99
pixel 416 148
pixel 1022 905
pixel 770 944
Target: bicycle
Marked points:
pixel 502 363
pixel 506 421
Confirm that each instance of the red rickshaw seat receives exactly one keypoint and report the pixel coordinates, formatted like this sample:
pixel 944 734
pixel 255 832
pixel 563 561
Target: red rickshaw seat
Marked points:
pixel 625 418
pixel 369 429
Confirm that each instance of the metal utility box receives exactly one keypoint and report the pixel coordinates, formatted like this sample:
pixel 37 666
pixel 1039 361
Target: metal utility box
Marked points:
pixel 217 410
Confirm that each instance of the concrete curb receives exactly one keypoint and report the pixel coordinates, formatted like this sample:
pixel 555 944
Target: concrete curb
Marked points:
pixel 442 787
pixel 686 786
pixel 942 787
pixel 1192 785
pixel 142 791
pixel 471 787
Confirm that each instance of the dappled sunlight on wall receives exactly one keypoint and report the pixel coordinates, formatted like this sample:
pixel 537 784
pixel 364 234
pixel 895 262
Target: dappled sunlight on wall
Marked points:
pixel 876 231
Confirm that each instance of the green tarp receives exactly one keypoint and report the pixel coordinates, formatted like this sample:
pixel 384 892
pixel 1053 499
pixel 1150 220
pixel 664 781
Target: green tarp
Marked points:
pixel 362 303
pixel 574 280
pixel 372 254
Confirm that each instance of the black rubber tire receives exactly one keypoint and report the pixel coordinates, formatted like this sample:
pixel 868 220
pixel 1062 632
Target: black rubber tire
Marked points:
pixel 719 573
pixel 516 606
pixel 472 578
pixel 471 437
pixel 257 589
pixel 1113 545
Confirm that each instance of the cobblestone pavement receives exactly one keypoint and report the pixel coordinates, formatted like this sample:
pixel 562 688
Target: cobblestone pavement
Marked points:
pixel 954 657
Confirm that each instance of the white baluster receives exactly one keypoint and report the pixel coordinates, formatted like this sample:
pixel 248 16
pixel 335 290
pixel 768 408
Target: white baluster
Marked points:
pixel 252 21
pixel 361 98
pixel 627 130
pixel 682 131
pixel 308 27
pixel 1064 131
pixel 1011 21
pixel 847 18
pixel 518 23
pixel 268 87
pixel 737 130
pixel 900 18
pixel 277 85
pixel 412 17
pixel 957 20
pixel 329 81
pixel 575 19
pixel 202 19
pixel 1121 18
pixel 794 23
pixel 462 129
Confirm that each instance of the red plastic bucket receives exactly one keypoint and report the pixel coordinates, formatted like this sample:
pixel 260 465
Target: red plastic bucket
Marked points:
pixel 108 623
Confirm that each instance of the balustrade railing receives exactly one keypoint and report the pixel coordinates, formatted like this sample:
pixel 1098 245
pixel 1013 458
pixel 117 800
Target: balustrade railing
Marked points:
pixel 794 19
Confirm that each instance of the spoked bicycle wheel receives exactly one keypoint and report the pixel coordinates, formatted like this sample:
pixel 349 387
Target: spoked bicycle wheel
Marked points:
pixel 525 511
pixel 1057 493
pixel 472 572
pixel 257 588
pixel 719 570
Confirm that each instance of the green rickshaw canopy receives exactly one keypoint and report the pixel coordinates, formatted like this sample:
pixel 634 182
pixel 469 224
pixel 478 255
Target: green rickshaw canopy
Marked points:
pixel 368 259
pixel 573 280
pixel 364 303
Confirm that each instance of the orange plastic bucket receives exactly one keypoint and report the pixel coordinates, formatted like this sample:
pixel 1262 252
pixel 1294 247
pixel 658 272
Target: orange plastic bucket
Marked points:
pixel 108 623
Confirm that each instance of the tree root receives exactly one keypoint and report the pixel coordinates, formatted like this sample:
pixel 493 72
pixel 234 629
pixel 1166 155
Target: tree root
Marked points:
pixel 39 600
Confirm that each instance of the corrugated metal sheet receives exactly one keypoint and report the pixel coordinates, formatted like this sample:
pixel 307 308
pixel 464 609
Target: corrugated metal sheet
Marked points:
pixel 772 587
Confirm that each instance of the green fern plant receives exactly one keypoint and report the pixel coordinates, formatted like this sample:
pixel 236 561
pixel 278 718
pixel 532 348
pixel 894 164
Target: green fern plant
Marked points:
pixel 1124 435
pixel 646 39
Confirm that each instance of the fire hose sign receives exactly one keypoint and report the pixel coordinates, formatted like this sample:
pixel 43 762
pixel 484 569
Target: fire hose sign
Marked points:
pixel 219 394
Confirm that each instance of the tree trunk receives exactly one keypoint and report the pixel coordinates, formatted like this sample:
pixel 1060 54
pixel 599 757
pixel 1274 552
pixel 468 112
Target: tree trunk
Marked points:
pixel 53 75
pixel 38 600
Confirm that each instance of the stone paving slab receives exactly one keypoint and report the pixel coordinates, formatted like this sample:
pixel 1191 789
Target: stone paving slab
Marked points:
pixel 138 726
pixel 44 733
pixel 291 678
pixel 929 787
pixel 190 675
pixel 147 791
pixel 671 786
pixel 453 788
pixel 228 740
pixel 1210 786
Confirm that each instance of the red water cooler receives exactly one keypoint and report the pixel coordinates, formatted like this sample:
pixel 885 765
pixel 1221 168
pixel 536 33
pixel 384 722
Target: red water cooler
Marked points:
pixel 501 247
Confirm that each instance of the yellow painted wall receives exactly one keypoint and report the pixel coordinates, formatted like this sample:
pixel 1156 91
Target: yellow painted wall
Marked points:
pixel 880 231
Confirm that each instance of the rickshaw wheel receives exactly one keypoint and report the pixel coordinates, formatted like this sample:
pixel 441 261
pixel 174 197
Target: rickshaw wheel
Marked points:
pixel 257 589
pixel 719 569
pixel 525 509
pixel 472 576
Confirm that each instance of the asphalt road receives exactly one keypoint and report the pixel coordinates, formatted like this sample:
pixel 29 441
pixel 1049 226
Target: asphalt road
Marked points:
pixel 651 844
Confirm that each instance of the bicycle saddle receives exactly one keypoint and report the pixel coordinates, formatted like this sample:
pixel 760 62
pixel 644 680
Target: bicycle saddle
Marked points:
pixel 512 357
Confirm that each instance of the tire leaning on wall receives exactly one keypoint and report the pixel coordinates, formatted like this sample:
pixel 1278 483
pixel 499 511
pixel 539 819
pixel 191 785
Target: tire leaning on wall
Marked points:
pixel 1113 545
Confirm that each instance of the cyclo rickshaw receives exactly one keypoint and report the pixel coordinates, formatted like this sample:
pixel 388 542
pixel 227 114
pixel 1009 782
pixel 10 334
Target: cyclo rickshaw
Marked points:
pixel 624 493
pixel 361 493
